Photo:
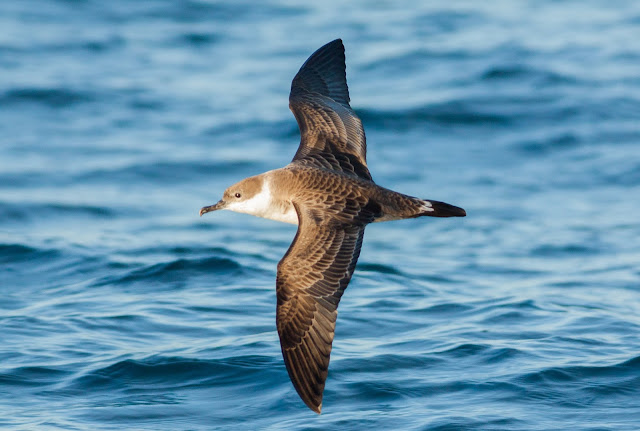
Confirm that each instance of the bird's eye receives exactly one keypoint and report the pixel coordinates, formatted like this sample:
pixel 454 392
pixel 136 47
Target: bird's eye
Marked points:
pixel 238 195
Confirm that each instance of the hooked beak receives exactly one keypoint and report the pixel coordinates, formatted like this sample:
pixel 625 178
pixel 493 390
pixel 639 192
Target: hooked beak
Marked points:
pixel 220 205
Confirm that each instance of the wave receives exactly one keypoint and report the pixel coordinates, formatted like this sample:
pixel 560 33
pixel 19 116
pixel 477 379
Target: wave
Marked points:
pixel 460 112
pixel 198 39
pixel 627 369
pixel 16 253
pixel 175 372
pixel 25 212
pixel 176 272
pixel 561 141
pixel 50 97
pixel 582 386
pixel 520 74
pixel 378 268
pixel 165 172
pixel 30 376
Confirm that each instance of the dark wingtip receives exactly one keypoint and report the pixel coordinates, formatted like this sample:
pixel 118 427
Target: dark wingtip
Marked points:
pixel 311 401
pixel 324 73
pixel 317 409
pixel 314 402
pixel 457 211
pixel 335 43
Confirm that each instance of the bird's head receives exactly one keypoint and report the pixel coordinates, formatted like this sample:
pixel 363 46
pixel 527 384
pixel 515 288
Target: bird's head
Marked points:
pixel 247 196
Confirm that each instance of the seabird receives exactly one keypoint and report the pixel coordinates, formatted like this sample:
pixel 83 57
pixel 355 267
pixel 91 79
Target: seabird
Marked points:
pixel 328 192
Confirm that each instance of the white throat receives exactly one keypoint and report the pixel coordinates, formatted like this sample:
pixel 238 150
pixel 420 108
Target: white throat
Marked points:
pixel 263 204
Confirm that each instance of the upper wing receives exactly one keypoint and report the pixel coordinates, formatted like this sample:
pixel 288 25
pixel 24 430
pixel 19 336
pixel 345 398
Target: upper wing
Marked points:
pixel 331 134
pixel 312 277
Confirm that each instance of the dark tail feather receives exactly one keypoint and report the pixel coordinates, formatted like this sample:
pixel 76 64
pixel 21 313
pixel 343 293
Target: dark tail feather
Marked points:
pixel 441 209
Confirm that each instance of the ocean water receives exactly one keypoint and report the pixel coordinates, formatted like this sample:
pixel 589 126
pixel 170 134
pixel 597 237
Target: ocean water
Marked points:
pixel 121 309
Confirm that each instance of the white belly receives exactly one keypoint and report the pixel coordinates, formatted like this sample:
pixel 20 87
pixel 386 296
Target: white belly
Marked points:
pixel 288 216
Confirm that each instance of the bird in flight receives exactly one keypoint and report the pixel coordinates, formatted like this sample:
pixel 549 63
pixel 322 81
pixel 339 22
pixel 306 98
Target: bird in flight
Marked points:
pixel 328 192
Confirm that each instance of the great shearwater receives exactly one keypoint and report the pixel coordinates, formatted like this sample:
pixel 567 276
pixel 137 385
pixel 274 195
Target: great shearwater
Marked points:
pixel 328 192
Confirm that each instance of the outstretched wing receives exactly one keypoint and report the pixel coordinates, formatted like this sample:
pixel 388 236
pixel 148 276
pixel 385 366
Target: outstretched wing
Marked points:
pixel 331 134
pixel 312 277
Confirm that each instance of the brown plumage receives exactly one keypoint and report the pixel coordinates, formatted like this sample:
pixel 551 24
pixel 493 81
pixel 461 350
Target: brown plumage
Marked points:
pixel 328 191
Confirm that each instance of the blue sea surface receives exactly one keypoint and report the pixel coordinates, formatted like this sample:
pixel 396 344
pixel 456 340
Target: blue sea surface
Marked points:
pixel 121 309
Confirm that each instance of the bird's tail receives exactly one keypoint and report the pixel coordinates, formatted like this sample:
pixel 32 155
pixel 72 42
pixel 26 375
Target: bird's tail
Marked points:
pixel 439 209
pixel 396 206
